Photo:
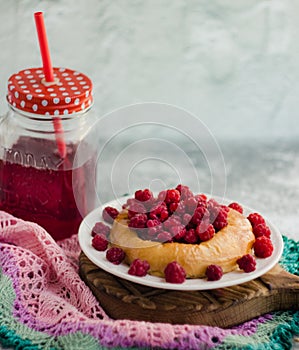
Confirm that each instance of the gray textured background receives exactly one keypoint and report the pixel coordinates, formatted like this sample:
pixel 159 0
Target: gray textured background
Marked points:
pixel 233 63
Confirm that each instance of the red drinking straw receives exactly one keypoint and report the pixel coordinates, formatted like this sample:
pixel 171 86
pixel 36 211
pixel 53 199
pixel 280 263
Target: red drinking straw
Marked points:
pixel 44 47
pixel 49 76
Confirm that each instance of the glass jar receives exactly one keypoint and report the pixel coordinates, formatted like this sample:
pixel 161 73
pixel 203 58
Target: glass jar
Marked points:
pixel 40 178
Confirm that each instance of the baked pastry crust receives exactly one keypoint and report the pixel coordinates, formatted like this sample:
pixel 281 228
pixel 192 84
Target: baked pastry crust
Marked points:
pixel 224 249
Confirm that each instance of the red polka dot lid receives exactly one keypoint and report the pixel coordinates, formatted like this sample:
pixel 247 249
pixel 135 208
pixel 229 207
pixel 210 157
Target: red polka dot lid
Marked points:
pixel 71 92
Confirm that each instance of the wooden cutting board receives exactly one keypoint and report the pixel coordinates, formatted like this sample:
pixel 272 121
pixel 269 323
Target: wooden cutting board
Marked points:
pixel 225 307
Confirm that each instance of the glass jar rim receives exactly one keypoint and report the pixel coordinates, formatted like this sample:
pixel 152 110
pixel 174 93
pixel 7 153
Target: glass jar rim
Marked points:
pixel 49 117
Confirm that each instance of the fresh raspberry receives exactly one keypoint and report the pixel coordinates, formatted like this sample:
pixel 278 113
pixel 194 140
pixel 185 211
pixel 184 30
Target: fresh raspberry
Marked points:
pixel 173 207
pixel 158 206
pixel 212 204
pixel 186 219
pixel 134 208
pixel 201 200
pixel 128 203
pixel 181 209
pixel 256 219
pixel 202 226
pixel 99 242
pixel 100 227
pixel 224 208
pixel 263 247
pixel 191 236
pixel 236 207
pixel 115 255
pixel 124 206
pixel 214 272
pixel 152 223
pixel 164 215
pixel 247 263
pixel 174 273
pixel 138 221
pixel 178 232
pixel 176 217
pixel 172 196
pixel 184 191
pixel 159 212
pixel 164 236
pixel 214 209
pixel 200 214
pixel 190 225
pixel 109 214
pixel 152 232
pixel 139 268
pixel 221 220
pixel 261 230
pixel 172 221
pixel 190 204
pixel 180 187
pixel 144 195
pixel 201 197
pixel 131 201
pixel 162 196
pixel 207 234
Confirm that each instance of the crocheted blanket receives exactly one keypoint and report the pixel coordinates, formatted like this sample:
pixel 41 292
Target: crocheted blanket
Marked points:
pixel 45 305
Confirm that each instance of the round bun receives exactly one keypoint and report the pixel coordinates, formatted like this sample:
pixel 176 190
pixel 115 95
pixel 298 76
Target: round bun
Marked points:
pixel 224 249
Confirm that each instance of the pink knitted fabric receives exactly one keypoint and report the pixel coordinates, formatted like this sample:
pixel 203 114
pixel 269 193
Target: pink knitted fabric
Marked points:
pixel 51 298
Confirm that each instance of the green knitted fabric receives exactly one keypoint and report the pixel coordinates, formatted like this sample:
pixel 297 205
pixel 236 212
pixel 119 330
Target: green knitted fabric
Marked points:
pixel 290 256
pixel 18 336
pixel 278 333
pixel 274 331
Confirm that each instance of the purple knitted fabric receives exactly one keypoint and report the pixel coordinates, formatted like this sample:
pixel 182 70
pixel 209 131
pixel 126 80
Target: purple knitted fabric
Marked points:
pixel 45 304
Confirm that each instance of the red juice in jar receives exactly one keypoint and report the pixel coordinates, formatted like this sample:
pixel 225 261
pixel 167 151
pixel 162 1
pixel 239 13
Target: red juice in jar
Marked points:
pixel 37 183
pixel 44 193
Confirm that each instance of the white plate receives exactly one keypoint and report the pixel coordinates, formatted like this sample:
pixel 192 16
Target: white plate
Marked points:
pixel 228 279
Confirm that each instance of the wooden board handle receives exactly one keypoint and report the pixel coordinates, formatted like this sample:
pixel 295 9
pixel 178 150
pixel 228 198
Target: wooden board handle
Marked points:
pixel 224 307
